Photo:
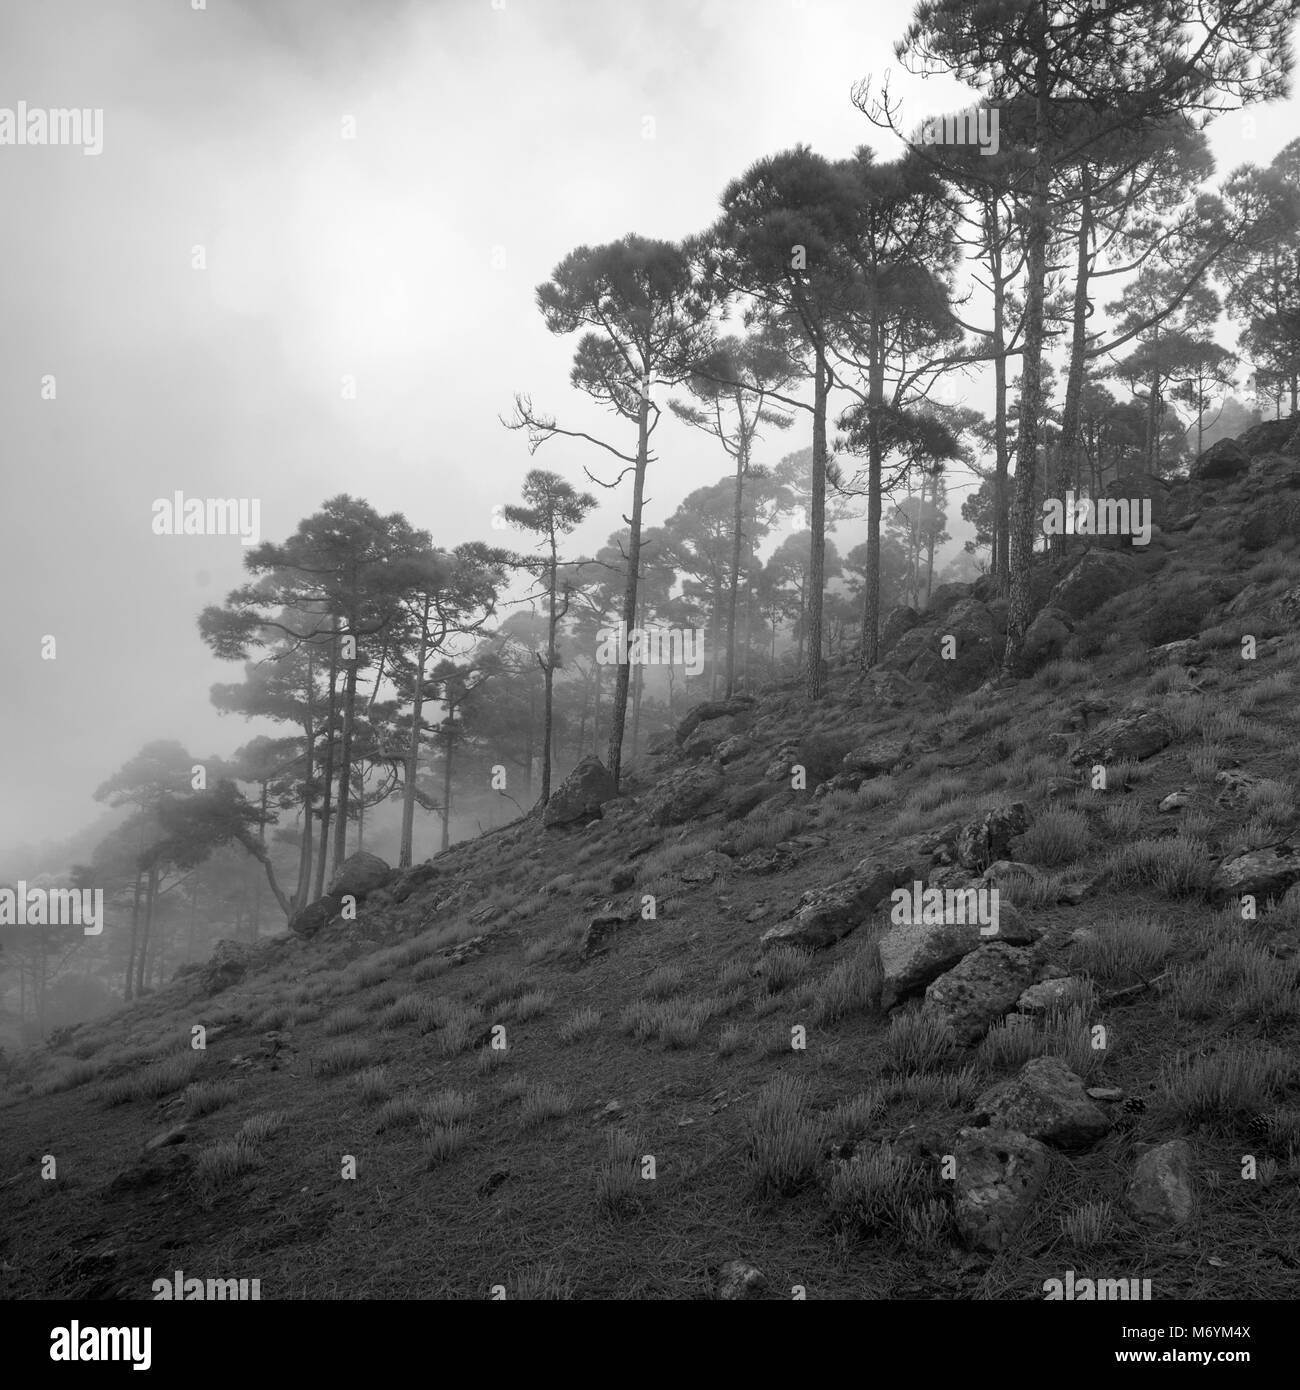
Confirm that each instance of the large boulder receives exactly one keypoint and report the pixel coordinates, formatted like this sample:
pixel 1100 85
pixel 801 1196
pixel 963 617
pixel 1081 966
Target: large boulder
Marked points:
pixel 1134 736
pixel 709 735
pixel 1269 437
pixel 824 915
pixel 315 917
pixel 581 795
pixel 1268 522
pixel 1264 874
pixel 227 965
pixel 1046 636
pixel 982 842
pixel 1223 459
pixel 684 794
pixel 982 988
pixel 1099 575
pixel 1150 492
pixel 733 707
pixel 899 621
pixel 877 756
pixel 1160 1192
pixel 1047 1101
pixel 360 875
pixel 999 1176
pixel 943 598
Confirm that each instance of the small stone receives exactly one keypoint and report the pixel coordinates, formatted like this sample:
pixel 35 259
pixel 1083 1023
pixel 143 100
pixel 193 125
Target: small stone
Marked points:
pixel 738 1280
pixel 1160 1193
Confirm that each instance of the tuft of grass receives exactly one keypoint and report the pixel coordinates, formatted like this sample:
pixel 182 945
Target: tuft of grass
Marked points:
pixel 783 967
pixel 222 1162
pixel 729 1040
pixel 204 1097
pixel 1125 949
pixel 785 1139
pixel 916 1041
pixel 258 1128
pixel 374 1085
pixel 347 1054
pixel 1177 865
pixel 872 1192
pixel 1227 1087
pixel 157 1080
pixel 533 1004
pixel 446 1107
pixel 580 1023
pixel 441 1143
pixel 1088 1226
pixel 544 1102
pixel 1057 836
pixel 398 1111
pixel 345 1020
pixel 619 1177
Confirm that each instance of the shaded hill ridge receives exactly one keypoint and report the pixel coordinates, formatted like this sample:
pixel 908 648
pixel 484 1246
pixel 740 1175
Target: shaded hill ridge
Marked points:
pixel 718 1048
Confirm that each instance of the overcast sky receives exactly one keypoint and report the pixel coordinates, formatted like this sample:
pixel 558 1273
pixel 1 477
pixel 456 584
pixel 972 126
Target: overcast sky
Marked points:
pixel 490 139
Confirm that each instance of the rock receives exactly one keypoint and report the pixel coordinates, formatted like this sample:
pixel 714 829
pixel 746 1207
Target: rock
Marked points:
pixel 734 747
pixel 999 1176
pixel 1099 575
pixel 979 990
pixel 1236 786
pixel 665 741
pixel 581 795
pixel 1160 1192
pixel 709 735
pixel 1268 437
pixel 909 648
pixel 1267 523
pixel 943 598
pixel 599 930
pixel 1047 995
pixel 738 1281
pixel 1106 1093
pixel 1175 801
pixel 982 841
pixel 561 883
pixel 706 868
pixel 825 915
pixel 738 707
pixel 744 799
pixel 1150 492
pixel 177 1134
pixel 1046 636
pixel 226 966
pixel 1223 459
pixel 1137 735
pixel 1007 868
pixel 899 621
pixel 684 794
pixel 912 954
pixel 360 875
pixel 315 916
pixel 1286 608
pixel 1265 874
pixel 765 861
pixel 1184 652
pixel 1046 1101
pixel 417 877
pixel 876 757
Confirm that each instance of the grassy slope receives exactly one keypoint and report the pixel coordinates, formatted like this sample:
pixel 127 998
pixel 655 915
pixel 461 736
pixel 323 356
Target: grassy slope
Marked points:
pixel 549 1204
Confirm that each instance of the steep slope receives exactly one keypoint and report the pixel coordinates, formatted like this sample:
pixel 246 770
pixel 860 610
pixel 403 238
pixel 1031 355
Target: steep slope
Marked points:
pixel 857 1107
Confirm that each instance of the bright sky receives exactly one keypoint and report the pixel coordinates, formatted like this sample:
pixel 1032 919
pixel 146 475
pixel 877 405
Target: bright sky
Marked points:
pixel 491 137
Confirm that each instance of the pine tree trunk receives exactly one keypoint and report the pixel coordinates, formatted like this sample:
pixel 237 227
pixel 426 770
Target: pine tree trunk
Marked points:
pixel 619 714
pixel 1031 393
pixel 871 596
pixel 449 734
pixel 327 771
pixel 1068 466
pixel 548 707
pixel 345 769
pixel 413 746
pixel 1001 518
pixel 817 561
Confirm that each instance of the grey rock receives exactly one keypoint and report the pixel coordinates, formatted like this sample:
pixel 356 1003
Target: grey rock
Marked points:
pixel 999 1176
pixel 1160 1193
pixel 979 990
pixel 579 798
pixel 1047 1101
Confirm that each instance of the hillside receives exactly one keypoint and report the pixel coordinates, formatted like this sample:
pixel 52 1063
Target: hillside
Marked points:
pixel 945 1126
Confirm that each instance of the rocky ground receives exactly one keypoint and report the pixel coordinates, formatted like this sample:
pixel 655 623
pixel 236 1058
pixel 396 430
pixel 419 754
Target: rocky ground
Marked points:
pixel 675 1042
